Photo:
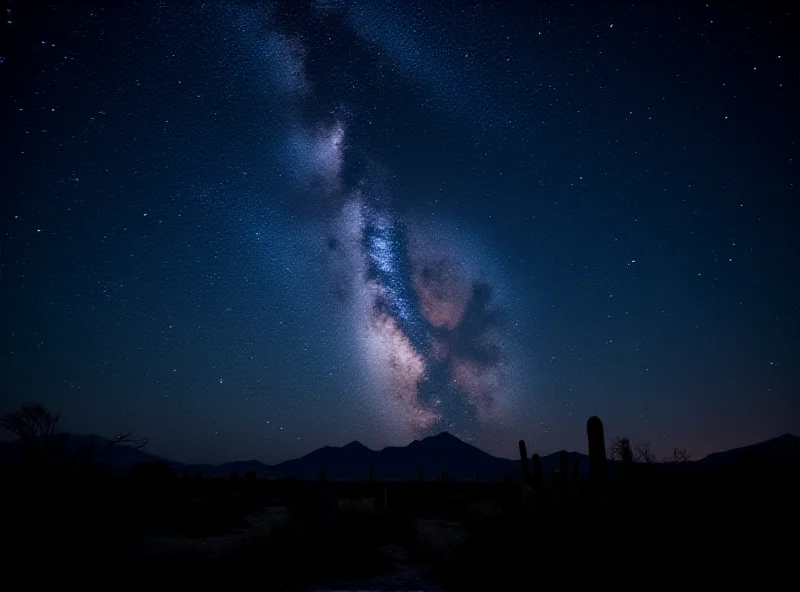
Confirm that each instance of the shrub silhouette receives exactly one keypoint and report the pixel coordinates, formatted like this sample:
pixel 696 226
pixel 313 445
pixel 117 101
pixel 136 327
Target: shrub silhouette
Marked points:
pixel 620 451
pixel 31 421
pixel 38 429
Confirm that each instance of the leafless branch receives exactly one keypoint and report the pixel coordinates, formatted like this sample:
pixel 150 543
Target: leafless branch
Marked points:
pixel 620 450
pixel 31 421
pixel 680 455
pixel 126 440
pixel 645 455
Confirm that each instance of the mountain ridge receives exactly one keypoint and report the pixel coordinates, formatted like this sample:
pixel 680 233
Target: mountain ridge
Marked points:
pixel 781 446
pixel 435 455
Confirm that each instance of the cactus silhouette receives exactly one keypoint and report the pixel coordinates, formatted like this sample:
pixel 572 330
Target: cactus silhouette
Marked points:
pixel 523 459
pixel 597 460
pixel 421 474
pixel 370 474
pixel 537 473
pixel 576 470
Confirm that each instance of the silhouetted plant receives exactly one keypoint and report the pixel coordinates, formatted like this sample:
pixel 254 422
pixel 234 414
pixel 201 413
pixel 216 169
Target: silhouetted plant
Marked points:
pixel 576 470
pixel 537 477
pixel 370 474
pixel 38 430
pixel 597 460
pixel 523 459
pixel 563 465
pixel 681 455
pixel 645 455
pixel 620 451
pixel 32 420
pixel 421 474
pixel 43 442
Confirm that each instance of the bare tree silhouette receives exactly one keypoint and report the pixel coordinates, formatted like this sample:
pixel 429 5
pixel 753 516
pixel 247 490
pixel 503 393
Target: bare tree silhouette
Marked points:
pixel 39 431
pixel 87 456
pixel 620 450
pixel 681 455
pixel 645 455
pixel 31 421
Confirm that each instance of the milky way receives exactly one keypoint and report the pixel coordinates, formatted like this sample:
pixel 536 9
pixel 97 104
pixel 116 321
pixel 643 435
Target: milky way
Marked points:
pixel 251 228
pixel 433 342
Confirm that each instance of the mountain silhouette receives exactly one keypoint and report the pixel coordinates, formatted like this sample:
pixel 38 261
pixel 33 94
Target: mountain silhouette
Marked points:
pixel 785 448
pixel 434 454
pixel 443 452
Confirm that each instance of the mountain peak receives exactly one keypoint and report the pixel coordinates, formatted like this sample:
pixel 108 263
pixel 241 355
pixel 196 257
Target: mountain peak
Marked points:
pixel 443 436
pixel 444 439
pixel 354 445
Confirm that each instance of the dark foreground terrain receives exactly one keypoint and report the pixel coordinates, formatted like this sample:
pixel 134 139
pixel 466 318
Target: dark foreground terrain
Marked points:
pixel 682 523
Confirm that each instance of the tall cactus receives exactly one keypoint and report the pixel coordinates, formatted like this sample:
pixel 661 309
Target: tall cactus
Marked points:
pixel 597 460
pixel 537 477
pixel 421 474
pixel 523 459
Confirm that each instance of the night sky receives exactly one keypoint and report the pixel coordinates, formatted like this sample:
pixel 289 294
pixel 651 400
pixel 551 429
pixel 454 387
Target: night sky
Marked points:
pixel 251 229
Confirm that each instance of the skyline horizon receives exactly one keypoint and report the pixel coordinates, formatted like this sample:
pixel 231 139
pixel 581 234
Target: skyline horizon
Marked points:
pixel 273 225
pixel 659 454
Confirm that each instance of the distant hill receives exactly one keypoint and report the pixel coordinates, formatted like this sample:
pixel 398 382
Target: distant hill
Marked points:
pixel 786 448
pixel 435 454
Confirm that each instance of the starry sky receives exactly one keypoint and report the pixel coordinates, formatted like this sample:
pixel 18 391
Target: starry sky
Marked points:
pixel 251 229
